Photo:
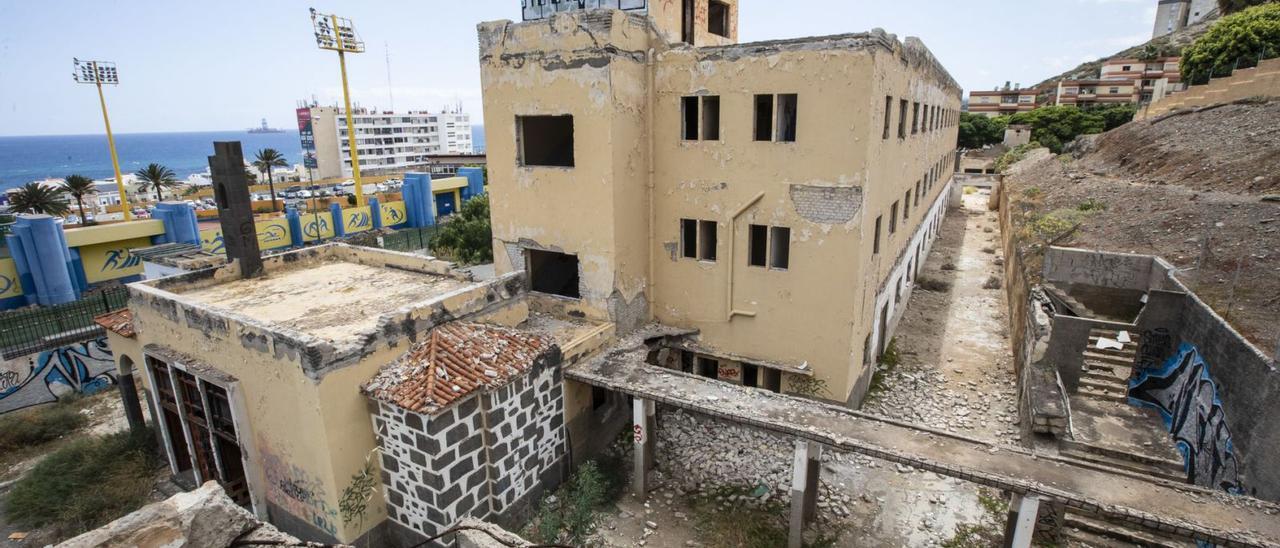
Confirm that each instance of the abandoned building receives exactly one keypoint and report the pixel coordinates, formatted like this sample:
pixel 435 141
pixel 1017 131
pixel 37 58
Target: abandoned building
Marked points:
pixel 647 167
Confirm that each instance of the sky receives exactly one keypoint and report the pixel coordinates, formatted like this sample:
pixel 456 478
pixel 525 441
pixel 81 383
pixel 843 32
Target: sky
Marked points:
pixel 226 64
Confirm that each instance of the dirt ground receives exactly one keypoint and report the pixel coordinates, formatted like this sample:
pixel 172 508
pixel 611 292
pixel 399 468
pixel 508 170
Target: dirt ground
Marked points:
pixel 1225 246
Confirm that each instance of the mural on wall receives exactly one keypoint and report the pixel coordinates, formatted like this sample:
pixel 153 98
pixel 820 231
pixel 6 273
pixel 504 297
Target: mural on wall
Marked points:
pixel 316 226
pixel 112 260
pixel 296 491
pixel 34 379
pixel 393 213
pixel 1187 399
pixel 9 284
pixel 356 219
pixel 272 234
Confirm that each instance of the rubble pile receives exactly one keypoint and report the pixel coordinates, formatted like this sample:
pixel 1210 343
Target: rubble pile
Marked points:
pixel 921 394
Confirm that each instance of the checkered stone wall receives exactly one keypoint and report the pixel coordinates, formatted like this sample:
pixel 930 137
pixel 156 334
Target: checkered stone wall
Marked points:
pixel 488 456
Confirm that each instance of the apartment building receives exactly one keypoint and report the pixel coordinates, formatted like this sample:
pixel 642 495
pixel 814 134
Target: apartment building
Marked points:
pixel 1175 15
pixel 1003 102
pixel 778 197
pixel 1123 80
pixel 386 141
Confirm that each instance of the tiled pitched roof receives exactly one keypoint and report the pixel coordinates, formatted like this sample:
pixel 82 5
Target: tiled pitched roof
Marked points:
pixel 457 359
pixel 120 322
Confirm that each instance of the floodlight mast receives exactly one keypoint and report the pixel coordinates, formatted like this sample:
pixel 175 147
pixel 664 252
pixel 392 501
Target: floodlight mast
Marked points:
pixel 337 34
pixel 98 73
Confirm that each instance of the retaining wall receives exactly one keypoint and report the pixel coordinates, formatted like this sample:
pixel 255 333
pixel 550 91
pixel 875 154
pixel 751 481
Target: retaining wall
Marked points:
pixel 1263 80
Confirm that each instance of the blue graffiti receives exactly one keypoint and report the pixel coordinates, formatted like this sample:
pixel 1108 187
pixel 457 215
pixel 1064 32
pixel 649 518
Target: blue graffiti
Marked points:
pixel 6 283
pixel 273 233
pixel 120 259
pixel 85 368
pixel 1186 397
pixel 359 220
pixel 393 214
pixel 316 228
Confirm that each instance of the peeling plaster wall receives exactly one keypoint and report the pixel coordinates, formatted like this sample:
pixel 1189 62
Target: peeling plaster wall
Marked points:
pixel 668 14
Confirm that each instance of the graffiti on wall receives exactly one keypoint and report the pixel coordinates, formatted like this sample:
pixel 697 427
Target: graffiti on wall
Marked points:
pixel 1102 270
pixel 1154 349
pixel 1187 399
pixel 34 379
pixel 296 491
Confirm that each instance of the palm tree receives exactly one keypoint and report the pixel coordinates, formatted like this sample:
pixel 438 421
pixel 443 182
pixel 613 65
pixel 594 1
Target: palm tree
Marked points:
pixel 266 159
pixel 78 186
pixel 37 198
pixel 158 177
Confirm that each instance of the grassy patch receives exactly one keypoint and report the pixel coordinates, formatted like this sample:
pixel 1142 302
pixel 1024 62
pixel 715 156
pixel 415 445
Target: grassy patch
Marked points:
pixel 86 484
pixel 989 531
pixel 749 526
pixel 1091 205
pixel 39 425
pixel 570 515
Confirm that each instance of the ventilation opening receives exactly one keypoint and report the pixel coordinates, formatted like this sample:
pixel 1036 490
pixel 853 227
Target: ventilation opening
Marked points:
pixel 787 108
pixel 764 117
pixel 545 140
pixel 718 18
pixel 553 273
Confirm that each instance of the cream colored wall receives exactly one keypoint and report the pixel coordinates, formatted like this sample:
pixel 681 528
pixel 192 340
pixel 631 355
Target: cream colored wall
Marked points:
pixel 668 17
pixel 605 188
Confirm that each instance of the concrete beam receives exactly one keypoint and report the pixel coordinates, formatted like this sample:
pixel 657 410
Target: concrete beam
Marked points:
pixel 1021 525
pixel 804 489
pixel 642 430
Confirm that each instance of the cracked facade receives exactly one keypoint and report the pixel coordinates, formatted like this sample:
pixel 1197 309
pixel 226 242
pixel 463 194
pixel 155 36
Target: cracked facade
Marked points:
pixel 776 196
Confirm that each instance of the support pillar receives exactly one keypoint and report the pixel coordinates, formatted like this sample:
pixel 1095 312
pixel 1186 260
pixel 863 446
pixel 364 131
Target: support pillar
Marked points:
pixel 129 397
pixel 804 489
pixel 1021 524
pixel 642 430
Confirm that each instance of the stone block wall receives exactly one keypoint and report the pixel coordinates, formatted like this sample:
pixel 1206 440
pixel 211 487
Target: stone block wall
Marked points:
pixel 487 457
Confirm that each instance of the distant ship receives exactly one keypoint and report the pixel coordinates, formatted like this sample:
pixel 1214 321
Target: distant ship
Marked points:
pixel 265 129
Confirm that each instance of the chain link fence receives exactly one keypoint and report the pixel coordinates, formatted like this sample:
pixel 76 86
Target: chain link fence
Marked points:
pixel 409 239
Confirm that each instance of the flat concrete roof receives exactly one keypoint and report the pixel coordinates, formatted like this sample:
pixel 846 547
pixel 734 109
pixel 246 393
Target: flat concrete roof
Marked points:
pixel 331 299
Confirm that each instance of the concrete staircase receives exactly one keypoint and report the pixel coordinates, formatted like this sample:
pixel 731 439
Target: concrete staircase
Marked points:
pixel 1087 531
pixel 1106 371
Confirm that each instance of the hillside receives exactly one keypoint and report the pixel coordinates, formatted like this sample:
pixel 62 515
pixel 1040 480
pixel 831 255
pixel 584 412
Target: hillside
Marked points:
pixel 1187 189
pixel 1169 44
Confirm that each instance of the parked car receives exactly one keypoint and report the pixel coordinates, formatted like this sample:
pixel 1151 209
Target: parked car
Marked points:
pixel 304 194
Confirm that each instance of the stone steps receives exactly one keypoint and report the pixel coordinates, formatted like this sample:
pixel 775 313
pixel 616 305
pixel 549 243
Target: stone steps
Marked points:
pixel 1131 463
pixel 1103 395
pixel 1092 356
pixel 1094 532
pixel 1109 386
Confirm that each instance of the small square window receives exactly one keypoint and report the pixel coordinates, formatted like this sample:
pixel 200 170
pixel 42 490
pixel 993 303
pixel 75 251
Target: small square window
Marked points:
pixel 718 18
pixel 545 140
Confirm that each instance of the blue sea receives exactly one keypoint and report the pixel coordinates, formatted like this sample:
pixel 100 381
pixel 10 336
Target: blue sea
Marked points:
pixel 26 159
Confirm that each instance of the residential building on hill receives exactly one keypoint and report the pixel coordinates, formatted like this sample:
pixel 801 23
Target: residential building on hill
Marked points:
pixel 1001 102
pixel 1123 80
pixel 386 141
pixel 1175 15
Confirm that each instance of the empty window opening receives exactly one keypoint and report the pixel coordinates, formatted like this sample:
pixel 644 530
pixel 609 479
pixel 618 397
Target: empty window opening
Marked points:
pixel 915 118
pixel 917 193
pixel 545 140
pixel 902 119
pixel 689 238
pixel 599 397
pixel 686 22
pixel 718 18
pixel 707 240
pixel 779 247
pixel 553 273
pixel 764 118
pixel 772 380
pixel 711 118
pixel 686 361
pixel 787 113
pixel 888 115
pixel 875 244
pixel 893 218
pixel 689 107
pixel 757 237
pixel 906 206
pixel 708 367
pixel 750 375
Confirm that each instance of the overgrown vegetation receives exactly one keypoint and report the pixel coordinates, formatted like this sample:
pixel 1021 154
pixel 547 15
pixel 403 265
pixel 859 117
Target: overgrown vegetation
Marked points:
pixel 570 515
pixel 977 130
pixel 993 282
pixel 1113 116
pixel 758 526
pixel 1014 155
pixel 1231 6
pixel 1238 40
pixel 928 283
pixel 1055 126
pixel 989 530
pixel 889 360
pixel 354 503
pixel 468 237
pixel 86 484
pixel 38 426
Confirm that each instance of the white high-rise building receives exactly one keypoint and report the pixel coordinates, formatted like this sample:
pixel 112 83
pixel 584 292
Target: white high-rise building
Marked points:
pixel 387 141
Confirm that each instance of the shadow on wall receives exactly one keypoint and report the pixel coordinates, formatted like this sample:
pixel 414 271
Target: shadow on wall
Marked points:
pixel 44 377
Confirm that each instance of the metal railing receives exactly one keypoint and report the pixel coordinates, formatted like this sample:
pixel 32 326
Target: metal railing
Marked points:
pixel 1224 70
pixel 35 329
pixel 409 239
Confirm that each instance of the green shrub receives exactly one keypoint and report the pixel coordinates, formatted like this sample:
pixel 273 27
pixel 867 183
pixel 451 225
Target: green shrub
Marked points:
pixel 468 237
pixel 1238 40
pixel 86 484
pixel 570 517
pixel 39 425
pixel 1014 155
pixel 1055 126
pixel 1092 205
pixel 976 130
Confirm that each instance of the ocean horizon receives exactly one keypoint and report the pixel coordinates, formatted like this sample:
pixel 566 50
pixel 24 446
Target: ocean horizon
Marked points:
pixel 24 159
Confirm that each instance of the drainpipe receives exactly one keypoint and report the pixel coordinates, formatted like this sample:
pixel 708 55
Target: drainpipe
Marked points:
pixel 732 242
pixel 652 284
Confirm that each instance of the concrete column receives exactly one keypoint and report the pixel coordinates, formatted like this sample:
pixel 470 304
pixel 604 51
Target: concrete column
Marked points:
pixel 642 429
pixel 804 489
pixel 132 408
pixel 1021 525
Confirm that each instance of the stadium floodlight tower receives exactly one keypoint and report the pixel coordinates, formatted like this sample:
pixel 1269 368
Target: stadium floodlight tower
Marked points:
pixel 336 34
pixel 98 73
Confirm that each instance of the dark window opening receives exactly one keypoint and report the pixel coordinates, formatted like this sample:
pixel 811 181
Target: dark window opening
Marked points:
pixel 686 361
pixel 902 119
pixel 711 118
pixel 553 273
pixel 708 367
pixel 750 375
pixel 707 240
pixel 764 118
pixel 718 18
pixel 875 244
pixel 599 397
pixel 779 247
pixel 893 218
pixel 906 206
pixel 915 118
pixel 888 115
pixel 689 238
pixel 757 240
pixel 917 193
pixel 788 105
pixel 689 107
pixel 686 22
pixel 772 380
pixel 545 140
